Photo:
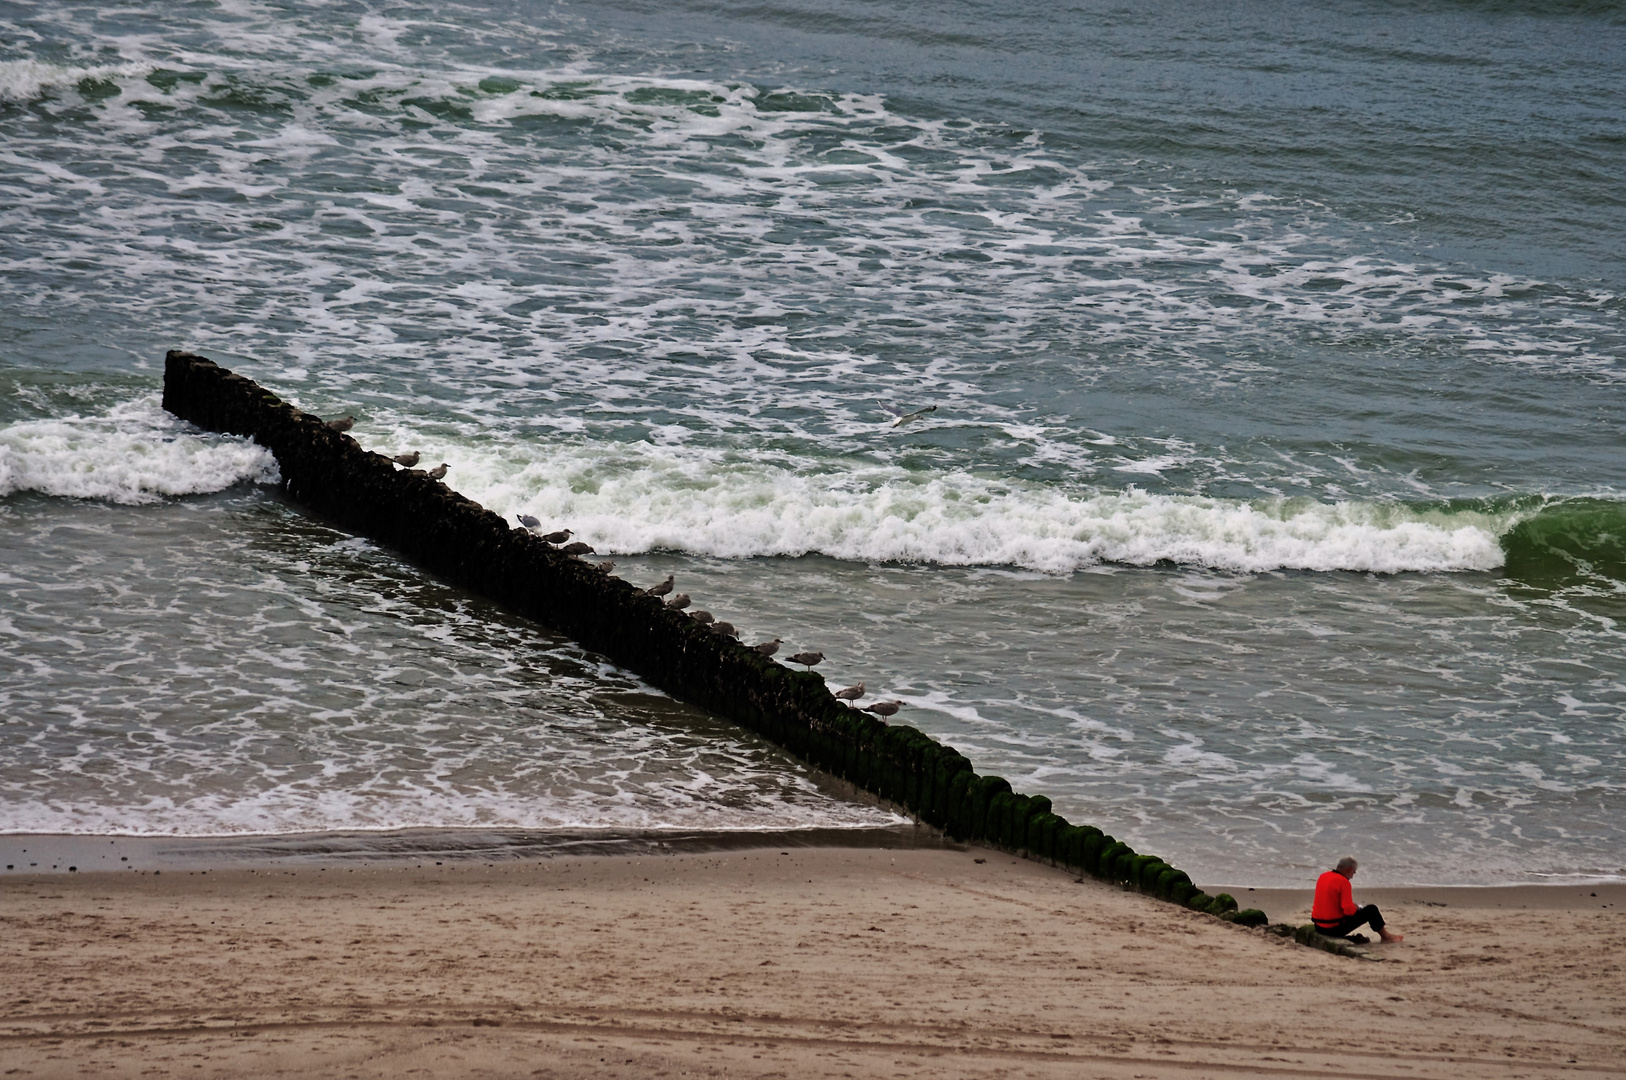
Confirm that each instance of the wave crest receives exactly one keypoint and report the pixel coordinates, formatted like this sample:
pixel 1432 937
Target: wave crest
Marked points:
pixel 134 453
pixel 632 499
pixel 25 80
pixel 1568 540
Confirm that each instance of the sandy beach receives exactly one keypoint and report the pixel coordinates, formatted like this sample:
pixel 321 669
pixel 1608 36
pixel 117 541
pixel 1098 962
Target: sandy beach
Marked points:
pixel 806 962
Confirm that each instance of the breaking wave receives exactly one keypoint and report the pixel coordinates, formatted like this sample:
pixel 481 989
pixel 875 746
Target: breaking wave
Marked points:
pixel 1568 539
pixel 26 80
pixel 133 453
pixel 626 498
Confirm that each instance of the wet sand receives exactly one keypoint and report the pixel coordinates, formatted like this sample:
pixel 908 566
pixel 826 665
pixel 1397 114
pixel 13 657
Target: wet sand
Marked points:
pixel 794 962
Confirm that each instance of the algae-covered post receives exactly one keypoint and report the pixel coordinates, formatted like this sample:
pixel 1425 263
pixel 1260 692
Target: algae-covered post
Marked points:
pixel 450 535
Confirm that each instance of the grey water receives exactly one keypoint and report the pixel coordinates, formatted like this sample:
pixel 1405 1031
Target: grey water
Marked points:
pixel 1270 507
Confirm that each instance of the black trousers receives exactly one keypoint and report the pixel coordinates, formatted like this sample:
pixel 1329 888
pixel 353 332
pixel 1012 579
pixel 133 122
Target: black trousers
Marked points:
pixel 1351 923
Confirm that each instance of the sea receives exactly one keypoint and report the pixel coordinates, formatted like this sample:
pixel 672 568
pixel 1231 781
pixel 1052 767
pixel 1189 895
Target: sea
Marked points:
pixel 1267 505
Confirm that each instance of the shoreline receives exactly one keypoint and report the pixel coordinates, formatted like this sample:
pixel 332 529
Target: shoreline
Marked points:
pixel 805 962
pixel 62 853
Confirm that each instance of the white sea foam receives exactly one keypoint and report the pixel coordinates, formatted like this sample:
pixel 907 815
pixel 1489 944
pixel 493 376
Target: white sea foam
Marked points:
pixel 133 453
pixel 25 80
pixel 643 497
pixel 1066 251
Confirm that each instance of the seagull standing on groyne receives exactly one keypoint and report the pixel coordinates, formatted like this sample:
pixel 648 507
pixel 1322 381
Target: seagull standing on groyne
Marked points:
pixel 767 648
pixel 807 659
pixel 662 589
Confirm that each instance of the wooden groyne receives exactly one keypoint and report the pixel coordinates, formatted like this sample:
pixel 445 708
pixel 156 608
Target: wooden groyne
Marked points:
pixel 461 541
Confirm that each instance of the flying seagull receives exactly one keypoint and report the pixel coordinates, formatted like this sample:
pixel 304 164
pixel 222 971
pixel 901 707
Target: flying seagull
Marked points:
pixel 438 471
pixel 557 537
pixel 528 521
pixel 343 423
pixel 406 461
pixel 663 588
pixel 807 659
pixel 850 693
pixel 767 648
pixel 900 418
pixel 678 602
pixel 884 708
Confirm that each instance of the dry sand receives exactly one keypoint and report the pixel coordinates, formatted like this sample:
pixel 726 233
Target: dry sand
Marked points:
pixel 819 962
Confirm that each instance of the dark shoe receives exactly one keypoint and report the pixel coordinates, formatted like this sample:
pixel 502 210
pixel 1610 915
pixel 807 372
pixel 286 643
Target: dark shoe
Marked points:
pixel 1358 939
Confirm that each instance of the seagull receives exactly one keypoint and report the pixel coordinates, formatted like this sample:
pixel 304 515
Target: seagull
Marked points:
pixel 578 548
pixel 343 423
pixel 767 648
pixel 438 471
pixel 406 461
pixel 726 629
pixel 528 521
pixel 807 659
pixel 557 537
pixel 850 693
pixel 901 418
pixel 604 567
pixel 884 708
pixel 702 617
pixel 678 602
pixel 662 589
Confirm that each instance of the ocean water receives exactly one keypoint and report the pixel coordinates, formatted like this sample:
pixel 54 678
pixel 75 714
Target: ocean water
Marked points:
pixel 1270 507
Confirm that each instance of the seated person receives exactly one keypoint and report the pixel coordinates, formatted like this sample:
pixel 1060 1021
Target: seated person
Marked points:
pixel 1334 912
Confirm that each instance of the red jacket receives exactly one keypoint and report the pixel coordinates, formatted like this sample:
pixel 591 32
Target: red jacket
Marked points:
pixel 1333 898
